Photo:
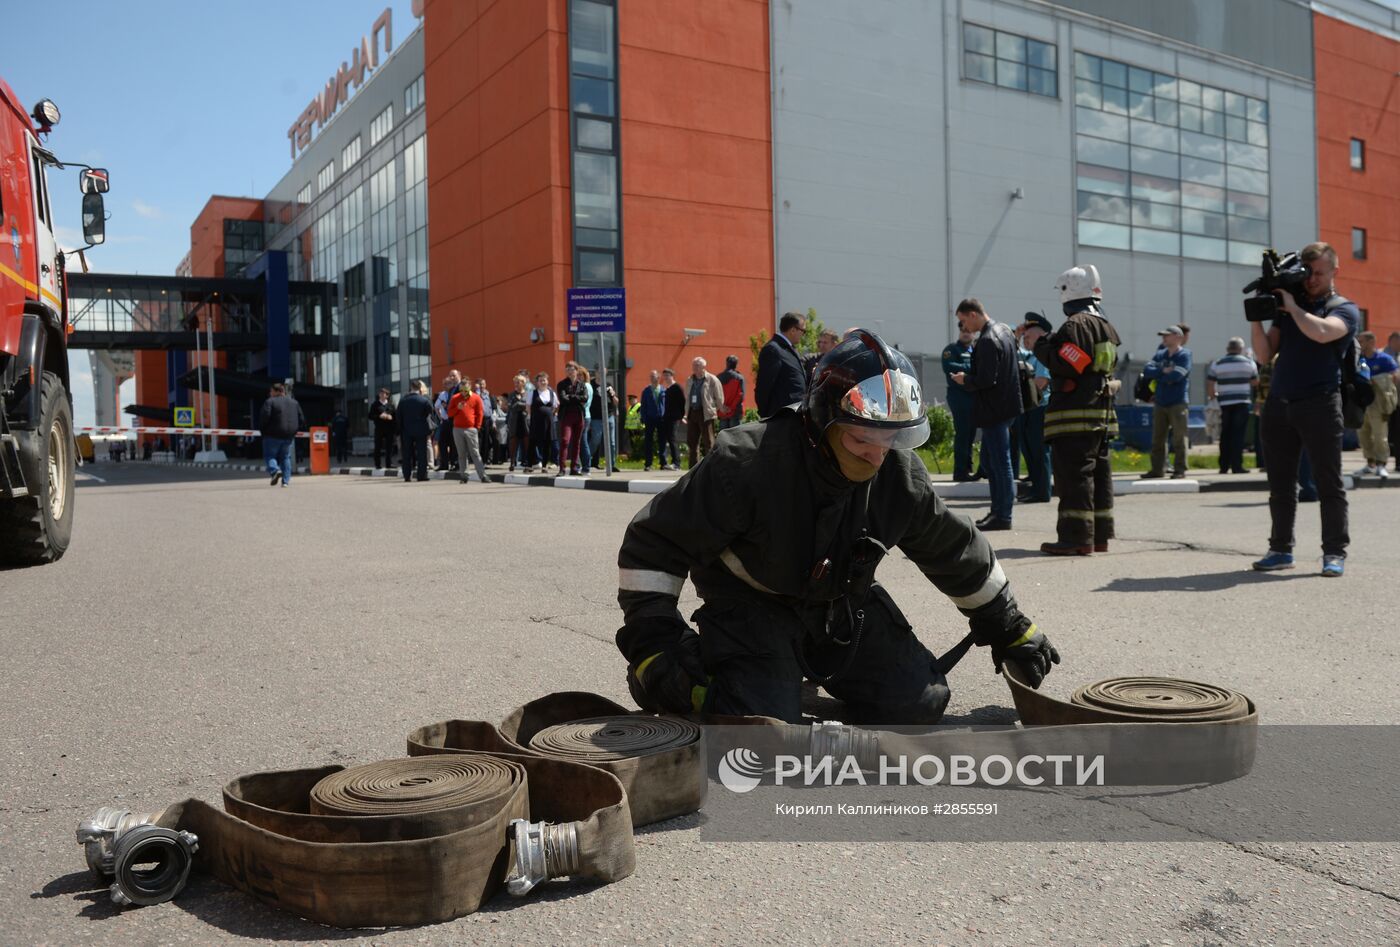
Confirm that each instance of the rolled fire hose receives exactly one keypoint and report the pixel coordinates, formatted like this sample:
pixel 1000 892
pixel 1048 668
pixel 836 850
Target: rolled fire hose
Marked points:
pixel 409 841
pixel 1152 731
pixel 660 761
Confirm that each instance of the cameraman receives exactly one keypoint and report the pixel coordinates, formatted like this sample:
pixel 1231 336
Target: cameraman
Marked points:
pixel 1304 408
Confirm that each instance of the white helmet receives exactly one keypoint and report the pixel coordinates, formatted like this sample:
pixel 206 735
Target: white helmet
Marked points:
pixel 1079 282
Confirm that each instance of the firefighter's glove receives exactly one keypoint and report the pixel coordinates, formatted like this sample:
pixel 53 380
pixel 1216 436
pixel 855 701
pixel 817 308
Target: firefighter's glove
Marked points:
pixel 1031 652
pixel 671 681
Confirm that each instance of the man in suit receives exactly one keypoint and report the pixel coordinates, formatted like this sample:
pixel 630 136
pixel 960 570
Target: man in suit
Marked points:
pixel 381 414
pixel 781 378
pixel 673 406
pixel 414 409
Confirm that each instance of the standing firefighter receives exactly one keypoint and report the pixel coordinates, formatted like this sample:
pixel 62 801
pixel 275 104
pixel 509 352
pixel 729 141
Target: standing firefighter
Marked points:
pixel 1080 420
pixel 781 530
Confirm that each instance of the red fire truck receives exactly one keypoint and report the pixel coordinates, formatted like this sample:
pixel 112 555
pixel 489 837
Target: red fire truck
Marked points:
pixel 37 450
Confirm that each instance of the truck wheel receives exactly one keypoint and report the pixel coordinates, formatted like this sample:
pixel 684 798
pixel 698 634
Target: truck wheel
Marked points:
pixel 37 528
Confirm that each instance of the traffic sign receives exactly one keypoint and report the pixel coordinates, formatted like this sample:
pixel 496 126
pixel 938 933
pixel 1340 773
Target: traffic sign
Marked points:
pixel 184 417
pixel 597 309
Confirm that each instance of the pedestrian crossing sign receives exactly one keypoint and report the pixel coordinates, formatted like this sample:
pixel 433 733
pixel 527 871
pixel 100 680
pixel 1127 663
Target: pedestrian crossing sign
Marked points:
pixel 184 417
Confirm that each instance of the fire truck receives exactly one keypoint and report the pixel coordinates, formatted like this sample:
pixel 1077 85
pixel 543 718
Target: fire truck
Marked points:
pixel 37 449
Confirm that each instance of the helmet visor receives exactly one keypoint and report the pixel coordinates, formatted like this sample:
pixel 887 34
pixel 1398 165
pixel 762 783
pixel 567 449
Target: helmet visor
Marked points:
pixel 890 404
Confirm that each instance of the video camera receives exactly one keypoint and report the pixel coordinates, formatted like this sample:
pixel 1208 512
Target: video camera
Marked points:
pixel 1286 272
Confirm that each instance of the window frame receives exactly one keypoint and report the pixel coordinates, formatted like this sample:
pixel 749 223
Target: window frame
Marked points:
pixel 1356 154
pixel 1227 168
pixel 1026 66
pixel 1361 232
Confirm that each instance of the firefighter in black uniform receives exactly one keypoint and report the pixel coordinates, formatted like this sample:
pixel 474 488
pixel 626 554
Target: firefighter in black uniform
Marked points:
pixel 781 530
pixel 1080 420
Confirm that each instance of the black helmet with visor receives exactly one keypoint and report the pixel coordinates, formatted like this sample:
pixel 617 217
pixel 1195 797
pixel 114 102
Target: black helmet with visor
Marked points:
pixel 865 384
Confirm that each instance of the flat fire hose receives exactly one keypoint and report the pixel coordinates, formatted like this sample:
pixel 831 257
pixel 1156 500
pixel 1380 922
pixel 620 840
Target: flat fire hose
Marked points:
pixel 660 761
pixel 410 841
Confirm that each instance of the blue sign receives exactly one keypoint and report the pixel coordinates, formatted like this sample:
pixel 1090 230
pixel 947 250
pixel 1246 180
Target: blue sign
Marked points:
pixel 183 417
pixel 597 309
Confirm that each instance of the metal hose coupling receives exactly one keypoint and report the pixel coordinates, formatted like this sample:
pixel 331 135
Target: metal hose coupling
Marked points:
pixel 543 850
pixel 839 741
pixel 148 864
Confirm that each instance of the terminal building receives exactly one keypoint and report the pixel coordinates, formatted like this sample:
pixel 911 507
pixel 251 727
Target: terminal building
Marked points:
pixel 730 160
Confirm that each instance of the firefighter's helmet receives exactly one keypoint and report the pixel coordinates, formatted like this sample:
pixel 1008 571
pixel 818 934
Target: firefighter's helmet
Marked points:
pixel 1080 282
pixel 864 383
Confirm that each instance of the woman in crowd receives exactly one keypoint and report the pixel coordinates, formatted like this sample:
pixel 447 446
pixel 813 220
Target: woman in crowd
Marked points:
pixel 518 423
pixel 573 398
pixel 502 428
pixel 543 405
pixel 585 452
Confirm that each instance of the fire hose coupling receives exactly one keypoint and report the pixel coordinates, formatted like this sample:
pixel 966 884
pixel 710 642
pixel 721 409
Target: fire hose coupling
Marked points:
pixel 149 864
pixel 543 850
pixel 839 741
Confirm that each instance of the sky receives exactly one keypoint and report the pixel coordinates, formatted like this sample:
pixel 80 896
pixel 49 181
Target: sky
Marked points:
pixel 178 101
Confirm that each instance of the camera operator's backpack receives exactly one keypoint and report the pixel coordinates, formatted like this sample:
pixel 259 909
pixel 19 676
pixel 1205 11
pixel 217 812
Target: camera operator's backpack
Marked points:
pixel 1357 393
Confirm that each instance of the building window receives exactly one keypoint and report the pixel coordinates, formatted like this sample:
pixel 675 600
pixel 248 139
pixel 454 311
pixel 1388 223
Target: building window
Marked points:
pixel 350 154
pixel 413 95
pixel 325 178
pixel 1167 165
pixel 1358 155
pixel 593 101
pixel 381 126
pixel 1365 321
pixel 304 195
pixel 1358 243
pixel 1010 61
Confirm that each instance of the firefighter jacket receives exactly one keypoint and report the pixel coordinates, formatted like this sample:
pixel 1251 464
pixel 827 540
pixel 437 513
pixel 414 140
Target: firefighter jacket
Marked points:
pixel 1080 356
pixel 768 514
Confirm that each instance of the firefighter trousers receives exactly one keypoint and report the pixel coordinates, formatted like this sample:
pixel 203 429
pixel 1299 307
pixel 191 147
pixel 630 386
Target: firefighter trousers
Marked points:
pixel 1084 484
pixel 750 649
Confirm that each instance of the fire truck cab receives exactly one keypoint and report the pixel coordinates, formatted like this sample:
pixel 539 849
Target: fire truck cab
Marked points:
pixel 37 448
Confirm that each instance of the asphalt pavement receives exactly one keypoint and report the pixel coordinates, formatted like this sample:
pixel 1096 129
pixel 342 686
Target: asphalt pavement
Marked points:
pixel 204 625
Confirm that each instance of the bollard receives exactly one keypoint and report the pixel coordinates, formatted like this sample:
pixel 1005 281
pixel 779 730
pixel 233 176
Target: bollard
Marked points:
pixel 320 450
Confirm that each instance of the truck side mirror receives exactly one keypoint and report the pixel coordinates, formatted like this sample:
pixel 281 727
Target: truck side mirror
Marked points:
pixel 93 181
pixel 94 218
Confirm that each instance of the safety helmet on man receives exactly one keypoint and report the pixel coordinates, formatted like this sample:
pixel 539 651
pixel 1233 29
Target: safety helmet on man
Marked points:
pixel 864 383
pixel 1079 282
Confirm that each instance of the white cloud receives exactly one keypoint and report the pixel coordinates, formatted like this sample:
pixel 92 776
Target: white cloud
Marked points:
pixel 149 211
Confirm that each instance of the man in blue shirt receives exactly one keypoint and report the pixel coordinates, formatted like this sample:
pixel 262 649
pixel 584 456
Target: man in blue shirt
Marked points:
pixel 1304 408
pixel 1375 445
pixel 957 359
pixel 1230 382
pixel 1171 369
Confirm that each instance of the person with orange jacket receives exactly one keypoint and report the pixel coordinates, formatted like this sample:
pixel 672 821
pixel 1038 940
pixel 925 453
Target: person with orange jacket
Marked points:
pixel 466 411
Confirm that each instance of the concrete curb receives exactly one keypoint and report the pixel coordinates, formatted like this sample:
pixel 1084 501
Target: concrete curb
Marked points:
pixel 566 482
pixel 1122 486
pixel 298 471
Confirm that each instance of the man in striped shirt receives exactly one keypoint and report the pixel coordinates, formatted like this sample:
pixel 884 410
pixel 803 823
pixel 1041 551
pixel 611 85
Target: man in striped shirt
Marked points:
pixel 1231 381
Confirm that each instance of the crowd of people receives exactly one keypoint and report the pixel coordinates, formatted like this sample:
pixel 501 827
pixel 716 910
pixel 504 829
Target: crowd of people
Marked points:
pixel 561 427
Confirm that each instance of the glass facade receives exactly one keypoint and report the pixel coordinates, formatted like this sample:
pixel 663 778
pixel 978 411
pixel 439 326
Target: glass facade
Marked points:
pixel 366 232
pixel 597 186
pixel 1167 165
pixel 1010 60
